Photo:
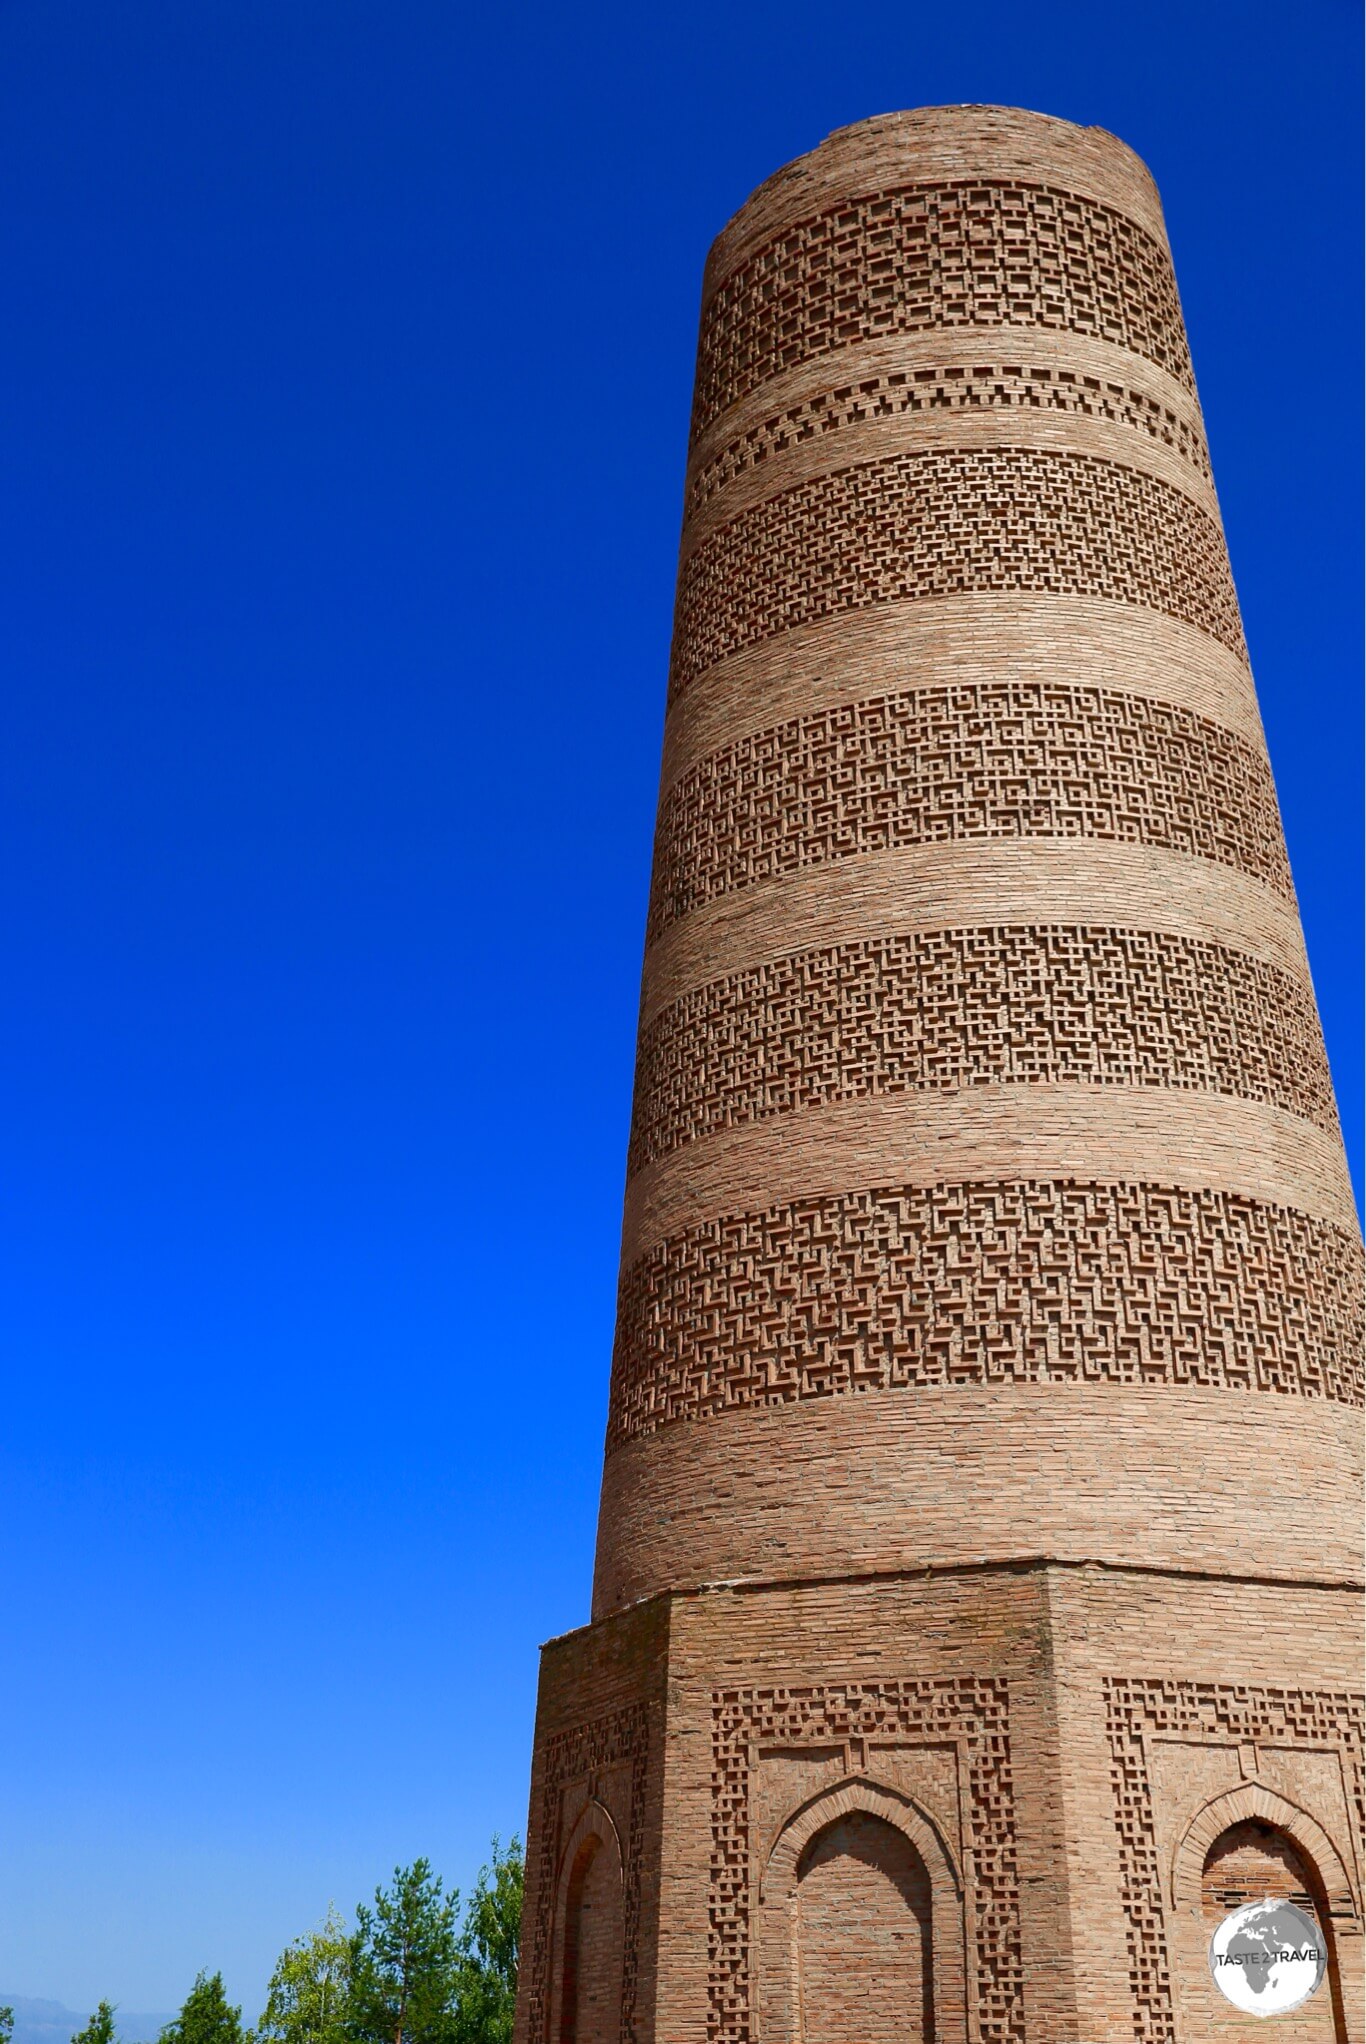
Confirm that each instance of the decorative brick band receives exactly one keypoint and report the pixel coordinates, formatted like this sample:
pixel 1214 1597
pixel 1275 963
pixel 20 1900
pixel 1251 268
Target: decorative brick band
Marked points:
pixel 951 522
pixel 951 1008
pixel 1009 759
pixel 971 1712
pixel 1138 1709
pixel 996 387
pixel 566 1758
pixel 967 253
pixel 992 1283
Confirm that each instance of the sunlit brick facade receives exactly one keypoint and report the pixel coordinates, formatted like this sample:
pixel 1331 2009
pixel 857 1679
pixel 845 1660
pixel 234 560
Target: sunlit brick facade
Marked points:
pixel 975 1609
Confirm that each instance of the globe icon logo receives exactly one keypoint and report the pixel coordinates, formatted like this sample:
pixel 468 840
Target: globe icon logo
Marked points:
pixel 1268 1957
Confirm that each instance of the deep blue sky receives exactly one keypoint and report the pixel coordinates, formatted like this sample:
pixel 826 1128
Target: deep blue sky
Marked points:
pixel 347 349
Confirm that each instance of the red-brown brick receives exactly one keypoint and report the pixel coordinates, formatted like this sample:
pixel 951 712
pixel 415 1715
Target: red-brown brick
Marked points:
pixel 978 1564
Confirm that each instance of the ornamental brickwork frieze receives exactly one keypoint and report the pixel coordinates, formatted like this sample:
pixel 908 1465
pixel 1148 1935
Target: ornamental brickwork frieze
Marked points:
pixel 976 1606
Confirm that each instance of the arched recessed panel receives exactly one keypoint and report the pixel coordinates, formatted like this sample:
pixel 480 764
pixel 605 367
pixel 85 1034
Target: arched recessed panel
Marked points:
pixel 864 1936
pixel 590 1991
pixel 1254 1861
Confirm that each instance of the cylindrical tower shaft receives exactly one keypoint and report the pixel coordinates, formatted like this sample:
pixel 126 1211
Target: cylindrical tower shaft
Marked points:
pixel 985 1182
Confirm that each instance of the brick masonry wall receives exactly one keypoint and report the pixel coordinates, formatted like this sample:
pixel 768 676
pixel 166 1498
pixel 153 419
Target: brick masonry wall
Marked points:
pixel 1061 1729
pixel 956 631
pixel 596 1789
pixel 980 1513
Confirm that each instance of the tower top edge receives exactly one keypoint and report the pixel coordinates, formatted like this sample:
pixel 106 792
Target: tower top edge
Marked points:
pixel 942 143
pixel 972 114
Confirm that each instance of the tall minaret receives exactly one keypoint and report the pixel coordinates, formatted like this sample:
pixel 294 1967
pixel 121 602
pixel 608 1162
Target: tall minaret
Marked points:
pixel 975 1615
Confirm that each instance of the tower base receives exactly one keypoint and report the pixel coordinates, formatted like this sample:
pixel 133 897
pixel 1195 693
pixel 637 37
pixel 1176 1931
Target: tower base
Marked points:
pixel 997 1805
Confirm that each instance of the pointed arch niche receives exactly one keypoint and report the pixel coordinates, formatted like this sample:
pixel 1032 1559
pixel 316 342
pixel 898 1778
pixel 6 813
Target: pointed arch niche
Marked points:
pixel 861 1927
pixel 589 1933
pixel 1251 1843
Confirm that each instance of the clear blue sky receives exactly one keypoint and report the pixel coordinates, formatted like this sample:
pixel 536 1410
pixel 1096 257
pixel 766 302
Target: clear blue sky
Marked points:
pixel 347 349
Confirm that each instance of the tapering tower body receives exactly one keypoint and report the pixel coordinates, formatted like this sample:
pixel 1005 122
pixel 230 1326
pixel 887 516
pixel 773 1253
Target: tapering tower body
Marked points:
pixel 975 1608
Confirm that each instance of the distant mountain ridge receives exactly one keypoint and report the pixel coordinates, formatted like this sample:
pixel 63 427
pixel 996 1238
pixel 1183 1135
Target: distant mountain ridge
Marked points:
pixel 48 2022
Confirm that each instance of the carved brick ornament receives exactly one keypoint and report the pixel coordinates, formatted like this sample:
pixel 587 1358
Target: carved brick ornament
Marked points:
pixel 989 1314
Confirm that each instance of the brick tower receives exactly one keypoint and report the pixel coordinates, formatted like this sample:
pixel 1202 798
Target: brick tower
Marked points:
pixel 974 1621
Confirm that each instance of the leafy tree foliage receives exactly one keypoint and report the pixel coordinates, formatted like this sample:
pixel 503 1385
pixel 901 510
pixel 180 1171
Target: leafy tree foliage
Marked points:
pixel 206 2017
pixel 309 1997
pixel 405 1962
pixel 6 2024
pixel 100 2028
pixel 413 1971
pixel 486 1988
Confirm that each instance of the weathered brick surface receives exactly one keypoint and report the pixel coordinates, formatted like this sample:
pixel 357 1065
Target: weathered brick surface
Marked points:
pixel 943 764
pixel 1071 642
pixel 979 252
pixel 590 1918
pixel 970 1007
pixel 935 1475
pixel 940 522
pixel 907 888
pixel 975 1602
pixel 1047 1129
pixel 1037 384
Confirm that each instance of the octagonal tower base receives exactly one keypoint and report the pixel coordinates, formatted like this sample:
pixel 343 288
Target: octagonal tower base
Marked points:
pixel 974 1807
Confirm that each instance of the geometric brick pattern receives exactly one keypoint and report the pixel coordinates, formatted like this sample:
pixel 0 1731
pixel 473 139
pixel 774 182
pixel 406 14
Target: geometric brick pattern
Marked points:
pixel 963 253
pixel 1192 1711
pixel 994 386
pixel 951 522
pixel 952 575
pixel 569 1758
pixel 951 1008
pixel 974 1712
pixel 969 760
pixel 986 1284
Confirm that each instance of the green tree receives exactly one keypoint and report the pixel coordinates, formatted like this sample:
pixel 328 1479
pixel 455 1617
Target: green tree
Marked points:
pixel 206 2017
pixel 308 2000
pixel 405 1962
pixel 100 2028
pixel 6 2024
pixel 486 1989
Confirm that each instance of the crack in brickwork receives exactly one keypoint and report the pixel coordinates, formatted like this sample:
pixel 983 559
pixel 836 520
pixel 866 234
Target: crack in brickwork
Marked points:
pixel 951 522
pixel 1136 1707
pixel 961 253
pixel 971 1710
pixel 992 387
pixel 1009 759
pixel 975 1007
pixel 985 1284
pixel 568 1758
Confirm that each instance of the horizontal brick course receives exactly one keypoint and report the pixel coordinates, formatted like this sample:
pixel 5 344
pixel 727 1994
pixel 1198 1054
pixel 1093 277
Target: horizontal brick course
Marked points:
pixel 985 1005
pixel 990 1133
pixel 945 522
pixel 940 764
pixel 919 887
pixel 870 434
pixel 1017 387
pixel 1203 1480
pixel 1130 1284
